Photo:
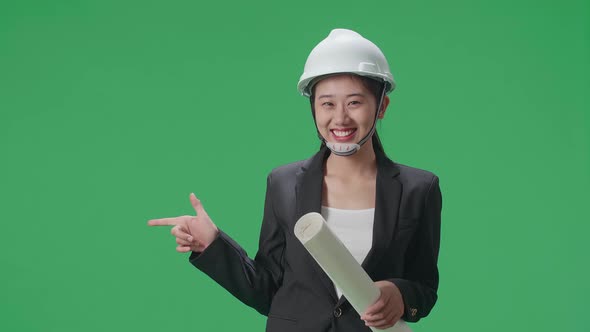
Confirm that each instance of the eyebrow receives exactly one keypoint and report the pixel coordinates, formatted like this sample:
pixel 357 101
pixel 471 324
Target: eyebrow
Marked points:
pixel 350 95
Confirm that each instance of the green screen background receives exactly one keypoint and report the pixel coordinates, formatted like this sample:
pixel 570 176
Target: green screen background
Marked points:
pixel 112 112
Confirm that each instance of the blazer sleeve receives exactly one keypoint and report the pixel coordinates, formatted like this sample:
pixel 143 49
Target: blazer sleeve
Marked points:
pixel 252 281
pixel 420 283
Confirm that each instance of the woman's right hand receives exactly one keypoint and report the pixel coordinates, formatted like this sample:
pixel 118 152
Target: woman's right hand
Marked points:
pixel 193 233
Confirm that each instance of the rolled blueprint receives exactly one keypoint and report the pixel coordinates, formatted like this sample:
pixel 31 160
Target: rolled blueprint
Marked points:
pixel 339 264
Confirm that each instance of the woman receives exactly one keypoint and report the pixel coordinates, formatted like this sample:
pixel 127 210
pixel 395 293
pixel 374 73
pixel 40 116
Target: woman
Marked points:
pixel 387 214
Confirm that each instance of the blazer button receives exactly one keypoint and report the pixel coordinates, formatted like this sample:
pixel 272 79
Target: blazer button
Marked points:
pixel 337 312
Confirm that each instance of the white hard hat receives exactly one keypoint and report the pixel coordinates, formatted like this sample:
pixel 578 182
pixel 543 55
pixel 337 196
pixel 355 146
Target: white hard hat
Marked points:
pixel 345 51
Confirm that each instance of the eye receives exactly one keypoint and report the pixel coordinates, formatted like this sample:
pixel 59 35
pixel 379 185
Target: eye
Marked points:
pixel 327 104
pixel 354 102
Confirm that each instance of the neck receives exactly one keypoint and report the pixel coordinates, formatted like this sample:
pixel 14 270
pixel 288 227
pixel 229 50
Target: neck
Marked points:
pixel 361 163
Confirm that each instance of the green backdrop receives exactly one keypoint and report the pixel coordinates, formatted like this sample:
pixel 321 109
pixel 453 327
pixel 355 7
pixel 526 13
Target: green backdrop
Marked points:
pixel 112 112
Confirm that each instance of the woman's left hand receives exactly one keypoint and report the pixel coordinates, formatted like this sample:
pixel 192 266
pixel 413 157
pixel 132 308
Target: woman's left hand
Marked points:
pixel 388 309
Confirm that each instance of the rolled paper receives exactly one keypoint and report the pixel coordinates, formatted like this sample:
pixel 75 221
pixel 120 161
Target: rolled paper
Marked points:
pixel 339 264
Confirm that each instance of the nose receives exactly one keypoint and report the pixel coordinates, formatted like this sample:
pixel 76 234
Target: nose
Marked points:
pixel 341 114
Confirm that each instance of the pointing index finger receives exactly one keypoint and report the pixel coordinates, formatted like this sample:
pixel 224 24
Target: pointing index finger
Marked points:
pixel 164 222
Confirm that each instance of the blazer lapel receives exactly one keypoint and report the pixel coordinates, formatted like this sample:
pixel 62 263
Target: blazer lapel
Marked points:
pixel 308 193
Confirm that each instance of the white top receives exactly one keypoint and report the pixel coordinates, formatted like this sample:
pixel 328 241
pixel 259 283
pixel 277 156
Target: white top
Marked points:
pixel 354 228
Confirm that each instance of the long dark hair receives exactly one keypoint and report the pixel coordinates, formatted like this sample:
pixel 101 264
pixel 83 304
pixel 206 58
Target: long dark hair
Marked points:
pixel 375 87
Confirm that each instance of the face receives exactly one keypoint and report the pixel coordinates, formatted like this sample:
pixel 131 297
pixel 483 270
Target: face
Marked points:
pixel 345 109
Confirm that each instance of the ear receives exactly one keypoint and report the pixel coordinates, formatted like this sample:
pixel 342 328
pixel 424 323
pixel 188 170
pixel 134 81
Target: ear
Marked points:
pixel 383 107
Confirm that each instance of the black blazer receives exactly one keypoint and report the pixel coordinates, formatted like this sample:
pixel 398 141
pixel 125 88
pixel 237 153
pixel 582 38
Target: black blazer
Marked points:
pixel 286 284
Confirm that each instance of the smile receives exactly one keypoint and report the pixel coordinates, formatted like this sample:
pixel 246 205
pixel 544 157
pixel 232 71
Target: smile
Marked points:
pixel 343 134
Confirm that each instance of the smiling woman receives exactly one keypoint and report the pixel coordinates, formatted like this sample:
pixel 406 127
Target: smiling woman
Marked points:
pixel 345 108
pixel 347 79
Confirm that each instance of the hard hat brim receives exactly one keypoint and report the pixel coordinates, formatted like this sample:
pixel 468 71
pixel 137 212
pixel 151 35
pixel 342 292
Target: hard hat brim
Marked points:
pixel 307 82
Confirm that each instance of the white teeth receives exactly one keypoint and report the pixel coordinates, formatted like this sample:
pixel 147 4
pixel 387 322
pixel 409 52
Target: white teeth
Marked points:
pixel 342 133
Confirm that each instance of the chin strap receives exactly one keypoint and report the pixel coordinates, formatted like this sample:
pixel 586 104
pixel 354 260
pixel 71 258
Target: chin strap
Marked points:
pixel 348 149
